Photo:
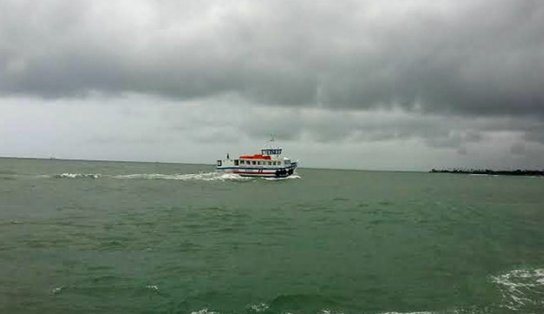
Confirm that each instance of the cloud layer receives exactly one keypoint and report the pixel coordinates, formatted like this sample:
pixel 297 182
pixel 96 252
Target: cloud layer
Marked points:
pixel 464 57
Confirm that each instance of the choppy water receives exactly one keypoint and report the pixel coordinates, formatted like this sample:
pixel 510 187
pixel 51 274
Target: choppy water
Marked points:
pixel 171 238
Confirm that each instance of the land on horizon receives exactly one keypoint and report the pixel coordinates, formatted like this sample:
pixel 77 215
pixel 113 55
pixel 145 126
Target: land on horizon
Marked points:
pixel 517 172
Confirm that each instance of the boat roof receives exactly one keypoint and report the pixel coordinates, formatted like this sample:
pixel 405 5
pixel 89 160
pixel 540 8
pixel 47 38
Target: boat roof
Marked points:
pixel 256 156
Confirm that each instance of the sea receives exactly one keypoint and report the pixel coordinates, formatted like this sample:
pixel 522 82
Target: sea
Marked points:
pixel 128 237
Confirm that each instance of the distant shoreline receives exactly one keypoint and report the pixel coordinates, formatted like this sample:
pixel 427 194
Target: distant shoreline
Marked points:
pixel 517 172
pixel 101 160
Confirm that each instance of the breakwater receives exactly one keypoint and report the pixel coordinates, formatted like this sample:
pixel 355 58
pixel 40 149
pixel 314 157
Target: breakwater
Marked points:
pixel 517 172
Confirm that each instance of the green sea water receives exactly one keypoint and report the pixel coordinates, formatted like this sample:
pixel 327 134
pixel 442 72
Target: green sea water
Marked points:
pixel 115 237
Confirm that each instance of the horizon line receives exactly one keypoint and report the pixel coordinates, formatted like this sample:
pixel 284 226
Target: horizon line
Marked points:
pixel 191 163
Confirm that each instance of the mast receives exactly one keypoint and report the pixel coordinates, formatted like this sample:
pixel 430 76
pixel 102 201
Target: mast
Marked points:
pixel 270 149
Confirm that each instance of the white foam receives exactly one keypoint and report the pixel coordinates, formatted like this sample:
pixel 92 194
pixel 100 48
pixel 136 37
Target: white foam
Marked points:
pixel 78 175
pixel 326 311
pixel 261 307
pixel 424 312
pixel 152 287
pixel 58 290
pixel 291 177
pixel 204 311
pixel 204 176
pixel 521 288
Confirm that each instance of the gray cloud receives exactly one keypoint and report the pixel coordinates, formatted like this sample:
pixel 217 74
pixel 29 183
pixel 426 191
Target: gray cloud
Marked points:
pixel 475 58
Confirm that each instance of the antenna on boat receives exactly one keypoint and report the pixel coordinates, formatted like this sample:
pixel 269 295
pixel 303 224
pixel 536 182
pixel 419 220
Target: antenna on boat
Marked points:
pixel 270 148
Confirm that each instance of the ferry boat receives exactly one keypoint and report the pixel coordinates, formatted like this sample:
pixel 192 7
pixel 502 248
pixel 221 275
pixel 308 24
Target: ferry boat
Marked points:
pixel 269 163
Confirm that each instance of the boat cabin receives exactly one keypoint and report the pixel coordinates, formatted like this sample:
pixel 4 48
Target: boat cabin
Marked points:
pixel 271 151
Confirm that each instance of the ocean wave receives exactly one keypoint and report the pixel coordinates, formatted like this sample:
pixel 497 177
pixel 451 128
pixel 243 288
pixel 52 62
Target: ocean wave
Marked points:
pixel 522 289
pixel 258 308
pixel 153 287
pixel 58 290
pixel 7 171
pixel 265 308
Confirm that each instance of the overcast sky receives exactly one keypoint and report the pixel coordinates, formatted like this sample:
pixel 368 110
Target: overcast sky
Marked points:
pixel 407 85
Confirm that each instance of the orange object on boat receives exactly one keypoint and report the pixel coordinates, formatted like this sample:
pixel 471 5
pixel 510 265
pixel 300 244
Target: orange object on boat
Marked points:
pixel 256 156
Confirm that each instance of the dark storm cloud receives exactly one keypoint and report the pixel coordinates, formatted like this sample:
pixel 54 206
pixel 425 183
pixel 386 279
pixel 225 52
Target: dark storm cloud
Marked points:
pixel 478 58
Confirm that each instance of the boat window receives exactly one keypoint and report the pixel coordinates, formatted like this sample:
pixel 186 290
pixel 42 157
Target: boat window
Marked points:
pixel 236 162
pixel 253 162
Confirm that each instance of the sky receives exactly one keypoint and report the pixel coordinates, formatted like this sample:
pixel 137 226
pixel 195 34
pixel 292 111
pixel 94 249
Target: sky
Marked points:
pixel 378 85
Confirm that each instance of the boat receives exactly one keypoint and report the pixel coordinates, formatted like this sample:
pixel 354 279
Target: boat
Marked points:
pixel 269 163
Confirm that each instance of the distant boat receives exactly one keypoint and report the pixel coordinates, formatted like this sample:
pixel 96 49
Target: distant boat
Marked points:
pixel 269 163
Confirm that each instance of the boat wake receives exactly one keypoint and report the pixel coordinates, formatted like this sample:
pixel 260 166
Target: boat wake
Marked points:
pixel 77 175
pixel 203 176
pixel 291 177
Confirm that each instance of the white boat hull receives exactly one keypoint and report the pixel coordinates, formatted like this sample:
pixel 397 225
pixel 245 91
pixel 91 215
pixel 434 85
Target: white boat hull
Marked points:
pixel 260 172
